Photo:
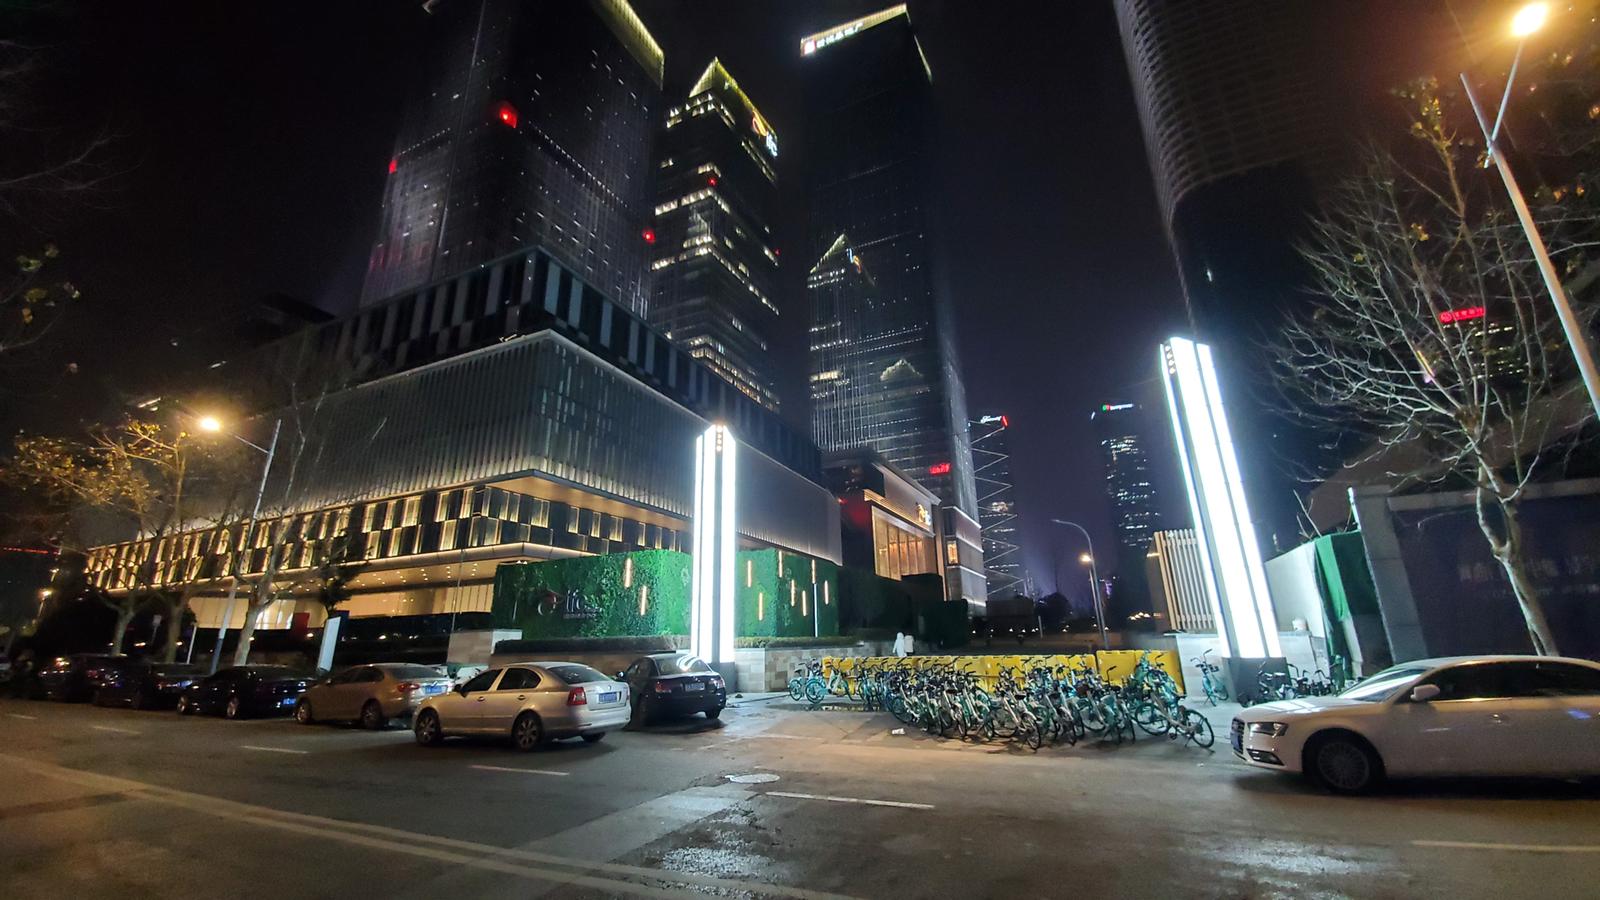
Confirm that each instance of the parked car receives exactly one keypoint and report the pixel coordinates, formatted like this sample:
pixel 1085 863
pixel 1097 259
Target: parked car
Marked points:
pixel 530 702
pixel 242 691
pixel 1486 715
pixel 142 684
pixel 371 695
pixel 673 684
pixel 74 679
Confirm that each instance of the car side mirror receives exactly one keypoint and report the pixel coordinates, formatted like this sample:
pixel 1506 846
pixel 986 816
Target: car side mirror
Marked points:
pixel 622 676
pixel 1422 693
pixel 461 689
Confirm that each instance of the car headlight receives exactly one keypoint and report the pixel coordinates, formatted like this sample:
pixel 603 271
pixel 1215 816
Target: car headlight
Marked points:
pixel 1271 729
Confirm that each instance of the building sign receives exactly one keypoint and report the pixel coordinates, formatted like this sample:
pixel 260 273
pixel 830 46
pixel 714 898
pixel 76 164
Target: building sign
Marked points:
pixel 923 516
pixel 572 606
pixel 815 42
pixel 766 134
pixel 1461 315
pixel 990 420
pixel 1115 407
pixel 942 468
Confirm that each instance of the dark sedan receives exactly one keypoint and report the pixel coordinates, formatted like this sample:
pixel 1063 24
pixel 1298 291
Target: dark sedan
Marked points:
pixel 243 691
pixel 74 679
pixel 141 684
pixel 673 684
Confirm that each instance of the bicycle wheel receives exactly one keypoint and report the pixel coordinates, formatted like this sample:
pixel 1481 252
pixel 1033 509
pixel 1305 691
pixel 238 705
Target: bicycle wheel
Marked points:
pixel 1198 728
pixel 797 689
pixel 1150 718
pixel 815 691
pixel 1221 689
pixel 1028 731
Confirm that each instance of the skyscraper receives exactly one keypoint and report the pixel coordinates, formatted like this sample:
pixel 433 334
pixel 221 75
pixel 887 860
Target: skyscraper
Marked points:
pixel 883 361
pixel 531 124
pixel 1122 430
pixel 1251 110
pixel 715 266
pixel 997 507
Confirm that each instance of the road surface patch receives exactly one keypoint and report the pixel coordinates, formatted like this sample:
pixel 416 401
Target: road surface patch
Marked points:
pixel 114 730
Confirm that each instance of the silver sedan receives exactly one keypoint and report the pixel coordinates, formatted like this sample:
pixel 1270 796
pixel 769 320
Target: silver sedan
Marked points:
pixel 531 703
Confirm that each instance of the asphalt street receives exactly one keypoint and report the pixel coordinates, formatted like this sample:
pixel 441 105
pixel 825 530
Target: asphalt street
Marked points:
pixel 774 801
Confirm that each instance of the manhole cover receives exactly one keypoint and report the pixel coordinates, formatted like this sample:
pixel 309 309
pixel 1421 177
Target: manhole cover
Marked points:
pixel 753 778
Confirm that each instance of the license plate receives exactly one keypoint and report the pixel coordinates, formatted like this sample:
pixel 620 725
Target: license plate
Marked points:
pixel 694 686
pixel 611 697
pixel 287 701
pixel 433 689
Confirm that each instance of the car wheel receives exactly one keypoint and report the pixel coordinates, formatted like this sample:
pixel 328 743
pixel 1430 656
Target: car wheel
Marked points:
pixel 372 717
pixel 527 733
pixel 427 729
pixel 594 738
pixel 185 706
pixel 713 714
pixel 138 700
pixel 234 709
pixel 1344 764
pixel 641 716
pixel 302 712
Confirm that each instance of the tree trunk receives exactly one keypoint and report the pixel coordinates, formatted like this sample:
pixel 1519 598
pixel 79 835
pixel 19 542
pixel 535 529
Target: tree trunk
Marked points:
pixel 1505 542
pixel 124 619
pixel 241 652
pixel 174 629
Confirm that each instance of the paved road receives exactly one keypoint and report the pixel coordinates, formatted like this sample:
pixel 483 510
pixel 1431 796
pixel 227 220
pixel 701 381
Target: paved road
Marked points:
pixel 99 803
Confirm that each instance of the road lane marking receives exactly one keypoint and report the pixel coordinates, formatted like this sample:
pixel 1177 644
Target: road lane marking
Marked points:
pixel 273 749
pixel 900 804
pixel 116 730
pixel 470 853
pixel 1518 848
pixel 21 716
pixel 524 771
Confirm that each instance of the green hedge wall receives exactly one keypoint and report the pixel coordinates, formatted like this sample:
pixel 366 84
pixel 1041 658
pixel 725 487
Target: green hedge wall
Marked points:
pixel 765 586
pixel 584 597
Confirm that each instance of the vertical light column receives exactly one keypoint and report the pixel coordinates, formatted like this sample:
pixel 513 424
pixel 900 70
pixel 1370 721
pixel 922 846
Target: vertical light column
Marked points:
pixel 1230 557
pixel 714 594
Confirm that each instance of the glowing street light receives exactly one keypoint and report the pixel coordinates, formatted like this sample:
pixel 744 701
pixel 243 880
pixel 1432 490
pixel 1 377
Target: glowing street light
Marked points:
pixel 209 423
pixel 1529 19
pixel 1086 559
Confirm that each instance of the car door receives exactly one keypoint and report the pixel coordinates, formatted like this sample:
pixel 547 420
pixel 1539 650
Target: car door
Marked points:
pixel 461 712
pixel 342 693
pixel 1559 723
pixel 1462 731
pixel 214 691
pixel 638 676
pixel 499 707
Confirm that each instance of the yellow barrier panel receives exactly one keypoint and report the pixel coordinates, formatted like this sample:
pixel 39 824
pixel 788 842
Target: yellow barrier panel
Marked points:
pixel 1112 665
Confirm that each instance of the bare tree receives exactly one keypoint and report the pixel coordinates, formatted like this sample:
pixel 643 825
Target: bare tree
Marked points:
pixel 136 473
pixel 1431 334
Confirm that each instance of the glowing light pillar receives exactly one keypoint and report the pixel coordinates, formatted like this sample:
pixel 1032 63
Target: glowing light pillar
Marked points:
pixel 1236 581
pixel 712 610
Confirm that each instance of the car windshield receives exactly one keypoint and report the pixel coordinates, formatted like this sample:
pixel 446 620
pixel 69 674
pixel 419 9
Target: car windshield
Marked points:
pixel 1382 685
pixel 572 673
pixel 403 673
pixel 681 665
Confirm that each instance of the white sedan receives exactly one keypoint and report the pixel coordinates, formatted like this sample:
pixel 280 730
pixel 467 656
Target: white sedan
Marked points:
pixel 1536 716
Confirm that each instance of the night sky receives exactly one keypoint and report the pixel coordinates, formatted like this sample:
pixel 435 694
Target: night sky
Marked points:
pixel 252 140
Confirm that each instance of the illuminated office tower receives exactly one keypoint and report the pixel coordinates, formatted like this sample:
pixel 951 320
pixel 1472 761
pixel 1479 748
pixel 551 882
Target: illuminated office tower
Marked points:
pixel 997 505
pixel 1120 428
pixel 531 124
pixel 1235 579
pixel 715 267
pixel 883 362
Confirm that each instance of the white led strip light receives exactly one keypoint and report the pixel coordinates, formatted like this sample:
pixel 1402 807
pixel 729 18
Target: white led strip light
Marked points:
pixel 713 594
pixel 1230 554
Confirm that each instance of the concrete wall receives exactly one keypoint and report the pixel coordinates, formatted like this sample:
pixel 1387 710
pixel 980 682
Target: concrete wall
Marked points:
pixel 770 670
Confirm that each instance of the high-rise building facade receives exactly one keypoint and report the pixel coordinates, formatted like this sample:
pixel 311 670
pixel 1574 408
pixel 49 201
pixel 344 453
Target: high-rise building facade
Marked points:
pixel 1251 110
pixel 997 505
pixel 1121 430
pixel 715 267
pixel 531 124
pixel 883 363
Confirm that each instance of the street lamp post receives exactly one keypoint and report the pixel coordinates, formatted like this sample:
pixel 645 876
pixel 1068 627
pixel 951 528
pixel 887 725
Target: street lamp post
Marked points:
pixel 1094 581
pixel 210 424
pixel 1527 21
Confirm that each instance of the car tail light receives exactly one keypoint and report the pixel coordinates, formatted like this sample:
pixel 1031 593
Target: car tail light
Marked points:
pixel 406 687
pixel 576 697
pixel 663 687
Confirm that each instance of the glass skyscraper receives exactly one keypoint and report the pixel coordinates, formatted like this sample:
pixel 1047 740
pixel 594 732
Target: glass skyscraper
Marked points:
pixel 715 266
pixel 883 363
pixel 1121 430
pixel 997 505
pixel 530 124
